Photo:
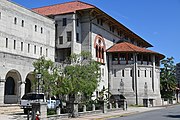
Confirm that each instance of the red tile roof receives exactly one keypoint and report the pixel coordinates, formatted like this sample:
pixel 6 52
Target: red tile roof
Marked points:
pixel 63 8
pixel 128 47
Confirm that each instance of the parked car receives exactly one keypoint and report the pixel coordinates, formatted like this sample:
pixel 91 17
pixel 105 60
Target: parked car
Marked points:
pixel 29 98
pixel 53 103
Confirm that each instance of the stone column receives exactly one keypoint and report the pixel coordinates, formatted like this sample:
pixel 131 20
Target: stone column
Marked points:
pixel 84 108
pixel 2 89
pixel 153 72
pixel 135 78
pixel 116 105
pixel 93 107
pixel 73 34
pixel 22 88
pixel 110 106
pixel 58 111
pixel 75 110
pixel 40 107
pixel 104 106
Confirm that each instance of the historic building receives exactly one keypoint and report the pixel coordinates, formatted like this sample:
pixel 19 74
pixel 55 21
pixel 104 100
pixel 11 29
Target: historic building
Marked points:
pixel 24 37
pixel 127 66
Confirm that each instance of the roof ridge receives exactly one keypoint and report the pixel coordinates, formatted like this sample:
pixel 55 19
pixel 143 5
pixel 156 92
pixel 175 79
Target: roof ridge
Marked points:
pixel 74 1
pixel 130 46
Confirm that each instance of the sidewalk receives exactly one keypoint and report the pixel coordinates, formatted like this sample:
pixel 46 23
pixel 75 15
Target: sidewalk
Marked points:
pixel 14 112
pixel 101 116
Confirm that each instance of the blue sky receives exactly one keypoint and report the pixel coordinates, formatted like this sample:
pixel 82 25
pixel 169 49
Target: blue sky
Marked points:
pixel 157 21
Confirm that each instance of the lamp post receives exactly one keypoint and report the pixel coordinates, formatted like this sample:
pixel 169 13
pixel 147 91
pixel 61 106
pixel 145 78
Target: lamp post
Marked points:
pixel 38 76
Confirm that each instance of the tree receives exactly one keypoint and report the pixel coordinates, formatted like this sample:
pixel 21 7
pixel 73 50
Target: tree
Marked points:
pixel 49 74
pixel 168 78
pixel 79 77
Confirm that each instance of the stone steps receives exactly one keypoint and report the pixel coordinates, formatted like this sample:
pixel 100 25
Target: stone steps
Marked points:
pixel 10 108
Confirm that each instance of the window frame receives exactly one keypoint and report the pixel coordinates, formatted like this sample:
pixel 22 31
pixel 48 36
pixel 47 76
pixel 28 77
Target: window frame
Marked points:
pixel 69 36
pixel 64 22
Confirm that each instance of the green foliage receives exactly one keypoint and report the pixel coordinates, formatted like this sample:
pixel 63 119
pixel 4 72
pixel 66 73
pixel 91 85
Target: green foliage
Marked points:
pixel 81 76
pixel 49 73
pixel 168 78
pixel 51 112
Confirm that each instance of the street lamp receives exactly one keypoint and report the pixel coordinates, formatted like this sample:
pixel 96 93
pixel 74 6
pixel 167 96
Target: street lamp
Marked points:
pixel 38 76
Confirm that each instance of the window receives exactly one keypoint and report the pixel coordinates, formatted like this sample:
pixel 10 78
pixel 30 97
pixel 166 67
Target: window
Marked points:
pixel 77 22
pixel 114 72
pixel 102 52
pixel 110 28
pixel 145 73
pixel 138 73
pixel 69 36
pixel 28 48
pixel 130 56
pixel 34 49
pixel 46 52
pixel 0 15
pixel 97 53
pixel 41 30
pixel 77 37
pixel 22 23
pixel 40 50
pixel 14 44
pixel 113 29
pixel 102 72
pixel 131 73
pixel 21 46
pixel 100 47
pixel 101 22
pixel 60 39
pixel 64 21
pixel 35 28
pixel 122 73
pixel 122 57
pixel 6 42
pixel 150 74
pixel 15 20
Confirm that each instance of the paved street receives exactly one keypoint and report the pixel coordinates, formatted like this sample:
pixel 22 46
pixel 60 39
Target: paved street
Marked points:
pixel 169 113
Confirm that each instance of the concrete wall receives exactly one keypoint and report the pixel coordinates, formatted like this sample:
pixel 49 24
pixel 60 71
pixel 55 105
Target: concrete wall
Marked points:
pixel 21 44
pixel 148 86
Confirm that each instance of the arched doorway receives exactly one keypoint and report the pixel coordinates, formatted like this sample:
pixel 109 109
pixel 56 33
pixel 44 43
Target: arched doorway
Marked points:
pixel 12 87
pixel 29 83
pixel 27 86
pixel 9 86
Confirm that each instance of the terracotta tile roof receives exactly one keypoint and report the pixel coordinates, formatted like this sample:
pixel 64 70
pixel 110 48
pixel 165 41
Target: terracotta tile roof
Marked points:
pixel 63 8
pixel 128 47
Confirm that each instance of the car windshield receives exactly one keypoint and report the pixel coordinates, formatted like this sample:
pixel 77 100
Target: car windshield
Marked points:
pixel 32 96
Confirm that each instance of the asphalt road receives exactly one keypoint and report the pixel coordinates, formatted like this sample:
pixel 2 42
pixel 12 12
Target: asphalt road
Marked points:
pixel 169 113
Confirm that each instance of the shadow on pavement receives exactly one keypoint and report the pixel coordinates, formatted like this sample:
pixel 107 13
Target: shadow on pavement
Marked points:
pixel 173 116
pixel 17 114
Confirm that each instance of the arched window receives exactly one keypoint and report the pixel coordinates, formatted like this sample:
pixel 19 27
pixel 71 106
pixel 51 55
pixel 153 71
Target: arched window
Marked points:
pixel 9 86
pixel 100 47
pixel 96 51
pixel 102 53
